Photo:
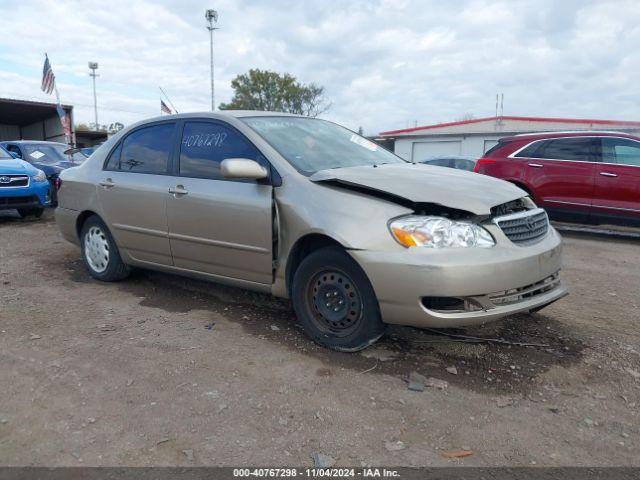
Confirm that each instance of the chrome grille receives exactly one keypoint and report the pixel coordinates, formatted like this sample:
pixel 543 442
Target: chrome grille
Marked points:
pixel 14 181
pixel 524 228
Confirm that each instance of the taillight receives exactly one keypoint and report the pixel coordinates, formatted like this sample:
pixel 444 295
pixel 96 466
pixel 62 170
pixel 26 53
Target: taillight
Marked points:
pixel 480 164
pixel 57 183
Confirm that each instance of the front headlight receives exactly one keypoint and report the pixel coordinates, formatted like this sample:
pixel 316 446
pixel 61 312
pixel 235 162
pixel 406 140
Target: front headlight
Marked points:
pixel 438 232
pixel 40 176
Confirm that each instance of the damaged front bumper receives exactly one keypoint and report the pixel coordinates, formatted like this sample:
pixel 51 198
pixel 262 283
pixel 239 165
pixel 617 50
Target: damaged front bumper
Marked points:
pixel 456 287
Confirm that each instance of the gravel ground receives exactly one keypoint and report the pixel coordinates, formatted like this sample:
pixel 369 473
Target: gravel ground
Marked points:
pixel 162 370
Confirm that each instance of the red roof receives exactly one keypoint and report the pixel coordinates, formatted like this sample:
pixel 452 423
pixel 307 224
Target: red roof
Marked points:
pixel 577 121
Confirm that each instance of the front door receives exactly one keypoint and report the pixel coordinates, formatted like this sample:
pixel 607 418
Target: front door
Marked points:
pixel 133 191
pixel 617 193
pixel 218 226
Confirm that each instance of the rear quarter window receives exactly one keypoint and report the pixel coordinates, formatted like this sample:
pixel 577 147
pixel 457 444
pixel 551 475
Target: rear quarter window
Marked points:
pixel 532 150
pixel 145 150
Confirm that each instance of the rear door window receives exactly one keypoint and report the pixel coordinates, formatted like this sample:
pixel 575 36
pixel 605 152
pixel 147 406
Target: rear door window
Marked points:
pixel 575 149
pixel 621 151
pixel 205 145
pixel 145 150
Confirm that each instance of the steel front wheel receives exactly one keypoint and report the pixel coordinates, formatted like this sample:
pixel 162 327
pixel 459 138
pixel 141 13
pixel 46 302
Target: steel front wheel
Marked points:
pixel 100 252
pixel 335 302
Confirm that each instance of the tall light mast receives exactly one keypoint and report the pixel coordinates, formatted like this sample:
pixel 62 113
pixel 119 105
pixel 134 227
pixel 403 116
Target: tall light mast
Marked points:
pixel 93 66
pixel 212 18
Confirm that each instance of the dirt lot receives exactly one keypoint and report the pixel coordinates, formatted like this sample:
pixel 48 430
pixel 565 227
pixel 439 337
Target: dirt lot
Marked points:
pixel 159 370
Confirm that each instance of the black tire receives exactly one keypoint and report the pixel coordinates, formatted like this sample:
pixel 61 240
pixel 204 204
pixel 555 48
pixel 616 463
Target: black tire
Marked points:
pixel 37 212
pixel 23 212
pixel 109 267
pixel 348 317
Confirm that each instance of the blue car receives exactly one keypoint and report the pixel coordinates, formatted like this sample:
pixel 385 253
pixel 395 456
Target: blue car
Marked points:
pixel 23 187
pixel 50 157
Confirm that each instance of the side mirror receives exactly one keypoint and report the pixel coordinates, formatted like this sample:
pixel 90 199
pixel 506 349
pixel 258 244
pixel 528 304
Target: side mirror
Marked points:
pixel 14 154
pixel 243 168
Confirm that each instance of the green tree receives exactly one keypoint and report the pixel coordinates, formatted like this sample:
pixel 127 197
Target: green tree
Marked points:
pixel 270 91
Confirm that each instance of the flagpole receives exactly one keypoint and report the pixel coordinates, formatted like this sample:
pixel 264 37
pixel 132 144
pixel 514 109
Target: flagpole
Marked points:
pixel 66 122
pixel 168 99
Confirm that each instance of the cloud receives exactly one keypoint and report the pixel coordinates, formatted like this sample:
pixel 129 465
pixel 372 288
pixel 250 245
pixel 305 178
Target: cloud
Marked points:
pixel 384 64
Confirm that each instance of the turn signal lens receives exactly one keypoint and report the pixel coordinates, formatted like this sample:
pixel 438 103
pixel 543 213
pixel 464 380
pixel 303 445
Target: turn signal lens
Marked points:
pixel 404 237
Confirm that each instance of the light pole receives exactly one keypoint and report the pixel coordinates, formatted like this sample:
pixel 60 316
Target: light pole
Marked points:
pixel 212 17
pixel 93 66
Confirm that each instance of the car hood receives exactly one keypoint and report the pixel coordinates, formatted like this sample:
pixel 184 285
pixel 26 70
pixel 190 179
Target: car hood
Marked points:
pixel 15 166
pixel 53 169
pixel 417 183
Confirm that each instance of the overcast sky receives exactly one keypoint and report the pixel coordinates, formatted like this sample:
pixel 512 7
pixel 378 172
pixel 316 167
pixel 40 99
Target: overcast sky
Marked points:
pixel 384 63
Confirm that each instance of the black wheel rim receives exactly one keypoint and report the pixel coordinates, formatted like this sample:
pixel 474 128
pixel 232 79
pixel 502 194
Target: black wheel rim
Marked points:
pixel 335 302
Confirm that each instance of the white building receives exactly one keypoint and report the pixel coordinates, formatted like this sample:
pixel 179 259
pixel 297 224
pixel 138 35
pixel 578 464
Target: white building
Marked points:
pixel 476 136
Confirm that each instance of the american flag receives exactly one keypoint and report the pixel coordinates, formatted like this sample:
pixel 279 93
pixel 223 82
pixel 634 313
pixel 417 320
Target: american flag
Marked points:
pixel 48 78
pixel 164 108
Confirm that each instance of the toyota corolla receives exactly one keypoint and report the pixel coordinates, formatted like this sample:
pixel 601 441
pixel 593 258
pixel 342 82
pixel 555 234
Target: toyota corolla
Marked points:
pixel 308 210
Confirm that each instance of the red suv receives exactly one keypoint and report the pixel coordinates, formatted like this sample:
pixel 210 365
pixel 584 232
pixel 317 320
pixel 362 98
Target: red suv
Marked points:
pixel 577 176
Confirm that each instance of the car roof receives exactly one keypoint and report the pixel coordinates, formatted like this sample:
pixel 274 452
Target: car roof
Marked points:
pixel 34 142
pixel 218 114
pixel 221 114
pixel 567 133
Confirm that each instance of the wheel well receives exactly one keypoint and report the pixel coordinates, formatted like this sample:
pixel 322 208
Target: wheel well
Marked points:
pixel 83 218
pixel 303 247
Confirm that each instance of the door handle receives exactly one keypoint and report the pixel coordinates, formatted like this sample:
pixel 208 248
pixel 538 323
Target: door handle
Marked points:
pixel 607 174
pixel 178 190
pixel 536 165
pixel 108 183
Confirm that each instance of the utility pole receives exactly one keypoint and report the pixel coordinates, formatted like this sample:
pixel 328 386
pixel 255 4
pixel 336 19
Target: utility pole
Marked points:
pixel 212 17
pixel 93 66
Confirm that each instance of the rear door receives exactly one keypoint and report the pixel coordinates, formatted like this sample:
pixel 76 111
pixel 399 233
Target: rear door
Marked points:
pixel 617 192
pixel 133 192
pixel 219 226
pixel 561 173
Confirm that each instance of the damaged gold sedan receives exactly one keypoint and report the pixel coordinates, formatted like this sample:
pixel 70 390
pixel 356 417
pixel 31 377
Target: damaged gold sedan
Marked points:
pixel 308 210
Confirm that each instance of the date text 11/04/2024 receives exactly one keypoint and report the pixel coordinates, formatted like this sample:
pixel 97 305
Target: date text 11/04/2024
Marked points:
pixel 316 472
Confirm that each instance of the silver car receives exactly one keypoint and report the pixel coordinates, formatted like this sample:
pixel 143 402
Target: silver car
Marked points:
pixel 308 210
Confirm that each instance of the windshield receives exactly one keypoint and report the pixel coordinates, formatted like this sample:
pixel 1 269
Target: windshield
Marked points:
pixel 311 145
pixel 50 154
pixel 4 155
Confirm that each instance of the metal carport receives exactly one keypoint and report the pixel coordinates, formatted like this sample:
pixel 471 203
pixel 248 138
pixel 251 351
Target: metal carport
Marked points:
pixel 30 120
